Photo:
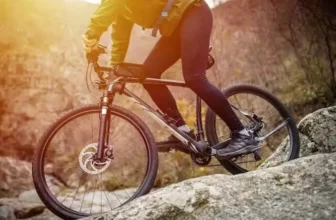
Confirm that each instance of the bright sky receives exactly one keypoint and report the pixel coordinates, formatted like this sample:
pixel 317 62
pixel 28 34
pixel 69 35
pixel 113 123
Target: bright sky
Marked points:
pixel 98 1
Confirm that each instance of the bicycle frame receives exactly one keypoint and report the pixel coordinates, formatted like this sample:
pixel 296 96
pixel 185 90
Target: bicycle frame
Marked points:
pixel 199 147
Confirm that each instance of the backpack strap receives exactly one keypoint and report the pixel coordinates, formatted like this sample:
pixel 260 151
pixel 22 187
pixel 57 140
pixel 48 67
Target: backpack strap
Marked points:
pixel 162 16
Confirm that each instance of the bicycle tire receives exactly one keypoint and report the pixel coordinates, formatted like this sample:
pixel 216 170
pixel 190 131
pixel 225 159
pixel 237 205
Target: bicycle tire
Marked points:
pixel 210 123
pixel 37 166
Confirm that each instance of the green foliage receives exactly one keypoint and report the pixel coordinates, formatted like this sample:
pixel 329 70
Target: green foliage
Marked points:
pixel 188 111
pixel 113 184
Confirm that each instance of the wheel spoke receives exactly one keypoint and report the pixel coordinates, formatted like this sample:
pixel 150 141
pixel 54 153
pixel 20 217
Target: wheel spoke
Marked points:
pixel 69 146
pixel 272 117
pixel 94 193
pixel 104 191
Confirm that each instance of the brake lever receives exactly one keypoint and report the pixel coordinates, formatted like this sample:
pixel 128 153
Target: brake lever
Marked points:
pixel 95 53
pixel 102 49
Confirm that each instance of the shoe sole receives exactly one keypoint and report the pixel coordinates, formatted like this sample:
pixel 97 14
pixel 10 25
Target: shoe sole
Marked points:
pixel 245 150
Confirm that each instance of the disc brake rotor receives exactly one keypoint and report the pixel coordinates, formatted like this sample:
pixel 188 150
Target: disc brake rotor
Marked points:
pixel 87 162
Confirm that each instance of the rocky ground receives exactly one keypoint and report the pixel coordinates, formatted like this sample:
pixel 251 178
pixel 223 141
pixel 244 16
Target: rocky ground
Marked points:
pixel 301 189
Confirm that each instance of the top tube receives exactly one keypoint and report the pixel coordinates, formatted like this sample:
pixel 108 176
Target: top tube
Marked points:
pixel 153 81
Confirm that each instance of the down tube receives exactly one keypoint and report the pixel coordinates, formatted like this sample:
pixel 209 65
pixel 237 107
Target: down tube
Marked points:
pixel 156 116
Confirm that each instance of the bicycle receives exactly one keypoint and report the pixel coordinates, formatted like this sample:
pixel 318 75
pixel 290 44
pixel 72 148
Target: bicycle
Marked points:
pixel 98 153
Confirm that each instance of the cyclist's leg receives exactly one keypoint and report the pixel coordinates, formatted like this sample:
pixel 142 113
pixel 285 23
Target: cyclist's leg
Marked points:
pixel 195 36
pixel 165 53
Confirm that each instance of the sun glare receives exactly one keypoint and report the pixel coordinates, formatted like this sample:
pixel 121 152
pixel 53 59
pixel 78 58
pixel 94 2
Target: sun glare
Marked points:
pixel 93 1
pixel 98 1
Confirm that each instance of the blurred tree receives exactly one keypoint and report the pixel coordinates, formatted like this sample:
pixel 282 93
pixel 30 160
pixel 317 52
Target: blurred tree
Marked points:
pixel 313 37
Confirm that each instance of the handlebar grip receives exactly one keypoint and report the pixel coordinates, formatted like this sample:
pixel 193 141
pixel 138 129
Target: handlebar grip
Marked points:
pixel 94 54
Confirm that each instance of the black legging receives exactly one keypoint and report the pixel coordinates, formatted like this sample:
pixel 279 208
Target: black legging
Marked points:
pixel 190 42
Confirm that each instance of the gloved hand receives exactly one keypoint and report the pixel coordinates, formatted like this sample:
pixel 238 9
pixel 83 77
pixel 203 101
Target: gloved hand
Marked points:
pixel 89 44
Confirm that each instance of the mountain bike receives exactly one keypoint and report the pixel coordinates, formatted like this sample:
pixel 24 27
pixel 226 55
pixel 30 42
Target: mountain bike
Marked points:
pixel 105 156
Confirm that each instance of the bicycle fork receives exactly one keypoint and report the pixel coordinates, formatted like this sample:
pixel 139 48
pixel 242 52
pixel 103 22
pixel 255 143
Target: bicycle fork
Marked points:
pixel 104 127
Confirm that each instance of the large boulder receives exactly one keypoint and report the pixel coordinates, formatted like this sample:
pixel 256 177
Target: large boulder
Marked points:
pixel 16 208
pixel 46 215
pixel 317 135
pixel 300 189
pixel 7 213
pixel 22 209
pixel 16 179
pixel 15 175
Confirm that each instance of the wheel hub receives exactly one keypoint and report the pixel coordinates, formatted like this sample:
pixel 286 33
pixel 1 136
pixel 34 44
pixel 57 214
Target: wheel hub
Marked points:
pixel 89 163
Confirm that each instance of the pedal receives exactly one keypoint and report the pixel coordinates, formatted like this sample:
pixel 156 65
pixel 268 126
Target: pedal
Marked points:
pixel 257 156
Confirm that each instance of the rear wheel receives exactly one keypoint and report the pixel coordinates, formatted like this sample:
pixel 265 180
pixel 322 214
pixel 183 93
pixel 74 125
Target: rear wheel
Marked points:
pixel 268 112
pixel 72 184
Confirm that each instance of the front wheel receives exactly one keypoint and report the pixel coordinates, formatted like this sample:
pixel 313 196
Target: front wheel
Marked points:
pixel 72 183
pixel 261 113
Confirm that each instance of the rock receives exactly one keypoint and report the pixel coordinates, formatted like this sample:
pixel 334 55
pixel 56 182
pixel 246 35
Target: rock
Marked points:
pixel 317 135
pixel 319 131
pixel 45 215
pixel 30 196
pixel 7 213
pixel 27 213
pixel 301 189
pixel 15 177
pixel 23 209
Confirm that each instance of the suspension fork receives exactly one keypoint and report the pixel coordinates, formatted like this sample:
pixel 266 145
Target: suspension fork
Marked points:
pixel 104 127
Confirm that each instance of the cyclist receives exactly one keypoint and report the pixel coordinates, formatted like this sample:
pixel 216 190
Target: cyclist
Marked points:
pixel 185 26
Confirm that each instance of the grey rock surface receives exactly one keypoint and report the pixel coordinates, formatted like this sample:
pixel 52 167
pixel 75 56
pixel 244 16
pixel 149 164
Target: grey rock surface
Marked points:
pixel 23 209
pixel 15 177
pixel 46 215
pixel 14 208
pixel 29 196
pixel 317 135
pixel 301 189
pixel 7 213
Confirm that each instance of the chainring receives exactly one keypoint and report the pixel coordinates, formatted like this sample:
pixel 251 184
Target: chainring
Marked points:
pixel 200 160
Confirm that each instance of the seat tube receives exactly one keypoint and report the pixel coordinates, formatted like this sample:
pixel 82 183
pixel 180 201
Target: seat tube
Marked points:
pixel 104 121
pixel 200 132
